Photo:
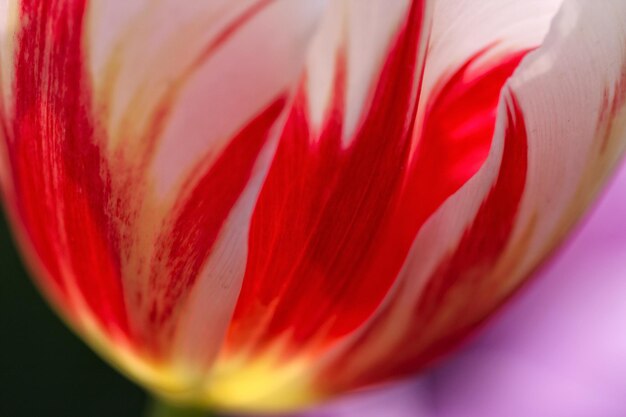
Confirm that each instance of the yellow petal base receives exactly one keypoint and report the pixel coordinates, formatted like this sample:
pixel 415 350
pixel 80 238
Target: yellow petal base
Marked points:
pixel 238 383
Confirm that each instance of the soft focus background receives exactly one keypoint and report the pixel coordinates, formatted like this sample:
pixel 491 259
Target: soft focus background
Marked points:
pixel 558 350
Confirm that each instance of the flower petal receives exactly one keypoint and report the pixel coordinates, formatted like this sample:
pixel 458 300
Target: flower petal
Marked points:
pixel 463 29
pixel 561 130
pixel 8 24
pixel 193 216
pixel 124 239
pixel 325 196
pixel 175 71
pixel 355 38
pixel 331 188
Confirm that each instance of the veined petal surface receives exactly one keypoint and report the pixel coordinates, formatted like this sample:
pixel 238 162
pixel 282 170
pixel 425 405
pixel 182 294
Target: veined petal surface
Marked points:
pixel 137 136
pixel 561 128
pixel 261 203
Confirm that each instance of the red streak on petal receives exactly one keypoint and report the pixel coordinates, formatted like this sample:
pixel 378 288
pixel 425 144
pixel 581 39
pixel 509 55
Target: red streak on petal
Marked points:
pixel 314 233
pixel 247 15
pixel 459 126
pixel 62 185
pixel 488 236
pixel 333 226
pixel 458 283
pixel 166 104
pixel 184 247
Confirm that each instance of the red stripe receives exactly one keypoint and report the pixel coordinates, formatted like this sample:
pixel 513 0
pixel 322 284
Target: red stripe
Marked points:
pixel 458 129
pixel 62 185
pixel 184 246
pixel 315 231
pixel 459 282
pixel 81 226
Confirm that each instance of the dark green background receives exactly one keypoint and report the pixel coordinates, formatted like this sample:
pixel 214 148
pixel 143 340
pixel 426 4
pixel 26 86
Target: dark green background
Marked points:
pixel 45 370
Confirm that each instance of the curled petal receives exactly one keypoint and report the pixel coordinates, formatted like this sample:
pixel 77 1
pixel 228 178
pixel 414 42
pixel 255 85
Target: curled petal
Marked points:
pixel 560 131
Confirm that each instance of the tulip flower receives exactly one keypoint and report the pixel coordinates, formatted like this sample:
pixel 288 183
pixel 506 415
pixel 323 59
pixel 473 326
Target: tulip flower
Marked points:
pixel 258 205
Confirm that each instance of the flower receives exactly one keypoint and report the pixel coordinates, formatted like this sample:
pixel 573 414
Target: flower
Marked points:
pixel 258 205
pixel 554 351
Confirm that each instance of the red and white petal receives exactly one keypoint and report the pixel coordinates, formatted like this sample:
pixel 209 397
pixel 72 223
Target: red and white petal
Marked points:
pixel 561 129
pixel 197 134
pixel 355 37
pixel 332 184
pixel 501 30
pixel 463 30
pixel 143 56
pixel 125 238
